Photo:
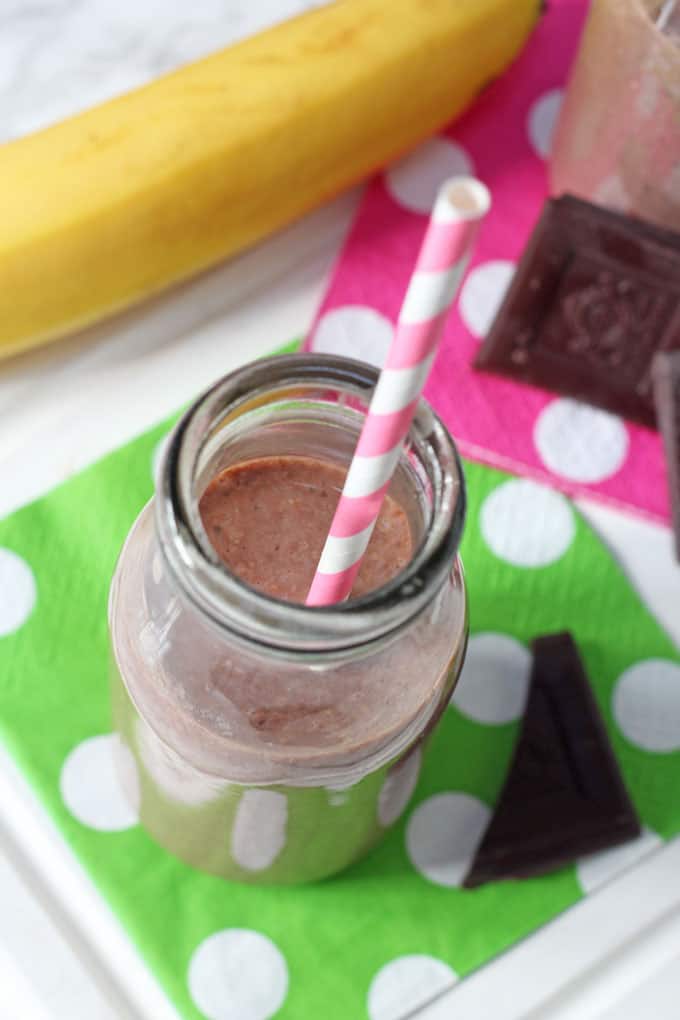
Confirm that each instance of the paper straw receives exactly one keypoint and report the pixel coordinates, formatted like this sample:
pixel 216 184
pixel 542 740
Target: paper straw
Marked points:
pixel 460 206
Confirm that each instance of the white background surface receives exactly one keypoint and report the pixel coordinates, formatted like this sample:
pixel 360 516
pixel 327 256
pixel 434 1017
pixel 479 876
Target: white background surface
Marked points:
pixel 616 956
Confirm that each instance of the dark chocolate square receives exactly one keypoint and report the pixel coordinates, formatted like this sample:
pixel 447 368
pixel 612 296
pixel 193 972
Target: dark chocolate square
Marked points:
pixel 595 296
pixel 563 796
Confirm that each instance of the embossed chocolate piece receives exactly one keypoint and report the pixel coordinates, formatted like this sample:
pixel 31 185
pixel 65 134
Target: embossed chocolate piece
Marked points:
pixel 563 796
pixel 666 372
pixel 595 296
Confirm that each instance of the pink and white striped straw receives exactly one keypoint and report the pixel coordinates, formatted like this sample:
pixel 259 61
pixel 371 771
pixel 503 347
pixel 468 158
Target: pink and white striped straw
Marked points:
pixel 461 204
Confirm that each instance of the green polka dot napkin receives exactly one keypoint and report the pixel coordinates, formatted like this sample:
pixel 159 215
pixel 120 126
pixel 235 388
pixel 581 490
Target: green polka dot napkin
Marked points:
pixel 396 929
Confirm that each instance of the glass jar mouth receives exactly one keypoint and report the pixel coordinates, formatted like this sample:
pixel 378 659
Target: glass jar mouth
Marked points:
pixel 248 614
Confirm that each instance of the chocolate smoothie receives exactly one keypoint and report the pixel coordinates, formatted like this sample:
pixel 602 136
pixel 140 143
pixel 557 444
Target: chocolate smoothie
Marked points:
pixel 276 774
pixel 279 759
pixel 268 519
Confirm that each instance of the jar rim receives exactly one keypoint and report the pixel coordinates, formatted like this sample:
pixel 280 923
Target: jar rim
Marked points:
pixel 249 615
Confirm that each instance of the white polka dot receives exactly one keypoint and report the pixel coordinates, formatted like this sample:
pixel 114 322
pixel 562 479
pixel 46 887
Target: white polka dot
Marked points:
pixel 595 870
pixel 443 834
pixel 415 180
pixel 91 785
pixel 238 974
pixel 580 442
pixel 542 121
pixel 354 331
pixel 527 524
pixel 482 294
pixel 17 591
pixel 406 984
pixel 397 790
pixel 157 455
pixel 495 679
pixel 259 832
pixel 647 705
pixel 175 778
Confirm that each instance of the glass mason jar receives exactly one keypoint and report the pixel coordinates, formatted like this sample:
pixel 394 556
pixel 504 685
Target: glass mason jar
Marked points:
pixel 618 137
pixel 262 740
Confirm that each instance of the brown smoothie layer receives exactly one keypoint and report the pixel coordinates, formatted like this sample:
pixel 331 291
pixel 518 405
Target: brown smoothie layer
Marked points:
pixel 268 519
pixel 229 708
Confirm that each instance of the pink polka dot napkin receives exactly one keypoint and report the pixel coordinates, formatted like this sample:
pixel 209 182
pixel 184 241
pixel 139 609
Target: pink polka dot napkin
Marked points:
pixel 505 140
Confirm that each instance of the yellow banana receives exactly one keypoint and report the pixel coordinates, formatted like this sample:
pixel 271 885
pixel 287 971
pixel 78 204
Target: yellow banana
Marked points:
pixel 115 204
